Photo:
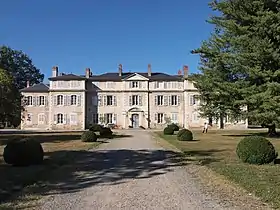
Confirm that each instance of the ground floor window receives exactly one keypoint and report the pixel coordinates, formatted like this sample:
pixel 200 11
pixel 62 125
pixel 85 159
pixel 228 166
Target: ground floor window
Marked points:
pixel 41 119
pixel 174 117
pixel 159 118
pixel 29 118
pixel 73 119
pixel 59 119
pixel 108 118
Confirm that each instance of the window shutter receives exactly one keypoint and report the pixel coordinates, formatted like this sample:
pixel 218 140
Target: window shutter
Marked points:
pixel 164 118
pixel 79 100
pixel 68 100
pixel 178 100
pixel 45 101
pixel 100 102
pixel 115 118
pixel 115 100
pixel 156 100
pixel 64 118
pixel 64 100
pixel 34 100
pixel 191 100
pixel 169 100
pixel 130 100
pixel 140 100
pixel 37 100
pixel 105 100
pixel 165 100
pixel 55 100
pixel 55 119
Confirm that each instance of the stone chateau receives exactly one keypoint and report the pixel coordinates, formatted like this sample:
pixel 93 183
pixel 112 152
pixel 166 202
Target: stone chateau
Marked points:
pixel 123 99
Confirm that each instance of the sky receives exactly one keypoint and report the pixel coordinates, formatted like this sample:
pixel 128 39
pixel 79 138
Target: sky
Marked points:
pixel 100 34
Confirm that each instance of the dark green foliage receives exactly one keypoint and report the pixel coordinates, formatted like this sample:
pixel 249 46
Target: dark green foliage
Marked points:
pixel 89 136
pixel 95 127
pixel 256 150
pixel 23 152
pixel 168 131
pixel 186 136
pixel 174 127
pixel 106 133
pixel 181 132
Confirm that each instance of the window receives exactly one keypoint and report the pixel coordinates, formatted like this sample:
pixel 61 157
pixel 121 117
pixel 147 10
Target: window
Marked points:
pixel 193 100
pixel 174 100
pixel 174 117
pixel 134 84
pixel 41 118
pixel 159 100
pixel 108 118
pixel 29 100
pixel 73 100
pixel 59 100
pixel 160 118
pixel 109 100
pixel 41 100
pixel 73 119
pixel 59 118
pixel 29 118
pixel 135 100
pixel 195 116
pixel 95 118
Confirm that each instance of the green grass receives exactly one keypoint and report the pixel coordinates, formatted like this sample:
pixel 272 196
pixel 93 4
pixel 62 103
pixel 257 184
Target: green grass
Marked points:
pixel 216 150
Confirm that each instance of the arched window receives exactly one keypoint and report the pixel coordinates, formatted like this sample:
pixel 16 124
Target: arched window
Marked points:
pixel 60 100
pixel 73 100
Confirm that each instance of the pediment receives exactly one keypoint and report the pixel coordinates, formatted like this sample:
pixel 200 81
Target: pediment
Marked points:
pixel 136 77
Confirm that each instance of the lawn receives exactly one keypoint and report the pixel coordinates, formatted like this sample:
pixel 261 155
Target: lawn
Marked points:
pixel 61 149
pixel 216 150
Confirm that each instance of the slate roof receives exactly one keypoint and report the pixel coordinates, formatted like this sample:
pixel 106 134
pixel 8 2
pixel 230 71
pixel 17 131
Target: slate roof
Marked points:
pixel 67 77
pixel 36 88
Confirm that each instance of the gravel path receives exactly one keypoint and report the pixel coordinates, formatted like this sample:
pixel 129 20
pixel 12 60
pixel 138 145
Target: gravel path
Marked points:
pixel 131 173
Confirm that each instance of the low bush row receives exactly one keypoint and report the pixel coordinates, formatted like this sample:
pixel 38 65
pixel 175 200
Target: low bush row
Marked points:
pixel 182 135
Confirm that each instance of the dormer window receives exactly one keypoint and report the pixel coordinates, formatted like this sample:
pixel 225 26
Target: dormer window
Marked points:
pixel 134 84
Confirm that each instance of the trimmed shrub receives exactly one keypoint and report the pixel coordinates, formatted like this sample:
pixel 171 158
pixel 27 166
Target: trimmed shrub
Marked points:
pixel 168 131
pixel 174 127
pixel 23 152
pixel 106 133
pixel 181 132
pixel 95 127
pixel 89 136
pixel 256 150
pixel 186 136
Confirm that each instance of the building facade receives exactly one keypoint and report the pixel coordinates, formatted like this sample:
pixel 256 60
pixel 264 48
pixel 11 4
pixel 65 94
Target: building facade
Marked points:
pixel 125 99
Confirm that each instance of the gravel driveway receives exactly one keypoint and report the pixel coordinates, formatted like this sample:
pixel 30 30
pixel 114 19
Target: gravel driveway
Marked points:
pixel 131 173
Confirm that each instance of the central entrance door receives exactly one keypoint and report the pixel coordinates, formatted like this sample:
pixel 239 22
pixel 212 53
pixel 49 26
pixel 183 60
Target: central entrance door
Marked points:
pixel 135 120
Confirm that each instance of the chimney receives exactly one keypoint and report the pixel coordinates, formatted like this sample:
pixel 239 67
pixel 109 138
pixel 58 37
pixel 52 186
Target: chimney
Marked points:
pixel 120 70
pixel 55 71
pixel 27 83
pixel 179 72
pixel 186 71
pixel 149 70
pixel 88 72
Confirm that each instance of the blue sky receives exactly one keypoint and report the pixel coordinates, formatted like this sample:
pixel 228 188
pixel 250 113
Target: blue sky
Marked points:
pixel 100 34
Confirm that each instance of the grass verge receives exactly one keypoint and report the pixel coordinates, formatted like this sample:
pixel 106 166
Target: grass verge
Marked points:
pixel 216 150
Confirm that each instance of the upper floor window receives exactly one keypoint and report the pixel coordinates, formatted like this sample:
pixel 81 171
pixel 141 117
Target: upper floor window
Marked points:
pixel 135 100
pixel 109 100
pixel 193 100
pixel 73 100
pixel 174 100
pixel 59 100
pixel 159 100
pixel 41 101
pixel 134 84
pixel 29 101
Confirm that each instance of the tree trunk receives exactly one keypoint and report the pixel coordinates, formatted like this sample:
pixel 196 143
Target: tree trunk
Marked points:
pixel 222 125
pixel 272 130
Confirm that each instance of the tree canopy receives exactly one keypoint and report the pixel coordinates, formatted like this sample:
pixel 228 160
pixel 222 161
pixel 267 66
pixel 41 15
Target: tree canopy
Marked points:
pixel 250 31
pixel 16 69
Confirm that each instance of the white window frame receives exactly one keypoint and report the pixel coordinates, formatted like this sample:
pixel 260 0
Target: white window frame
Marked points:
pixel 195 117
pixel 160 118
pixel 41 101
pixel 29 101
pixel 59 118
pixel 134 84
pixel 73 98
pixel 41 118
pixel 174 117
pixel 160 100
pixel 174 100
pixel 58 100
pixel 135 100
pixel 110 98
pixel 75 116
pixel 108 118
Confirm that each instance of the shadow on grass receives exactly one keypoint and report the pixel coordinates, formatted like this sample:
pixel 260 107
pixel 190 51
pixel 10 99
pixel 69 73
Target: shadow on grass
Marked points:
pixel 277 161
pixel 263 134
pixel 71 171
pixel 54 137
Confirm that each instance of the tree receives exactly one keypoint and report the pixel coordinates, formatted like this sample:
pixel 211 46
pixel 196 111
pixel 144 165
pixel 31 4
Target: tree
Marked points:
pixel 20 67
pixel 251 29
pixel 8 95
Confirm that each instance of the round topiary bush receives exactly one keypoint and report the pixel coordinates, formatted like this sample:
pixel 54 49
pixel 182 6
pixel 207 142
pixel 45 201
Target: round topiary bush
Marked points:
pixel 181 132
pixel 89 136
pixel 23 152
pixel 106 133
pixel 168 131
pixel 256 150
pixel 174 127
pixel 95 127
pixel 185 136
